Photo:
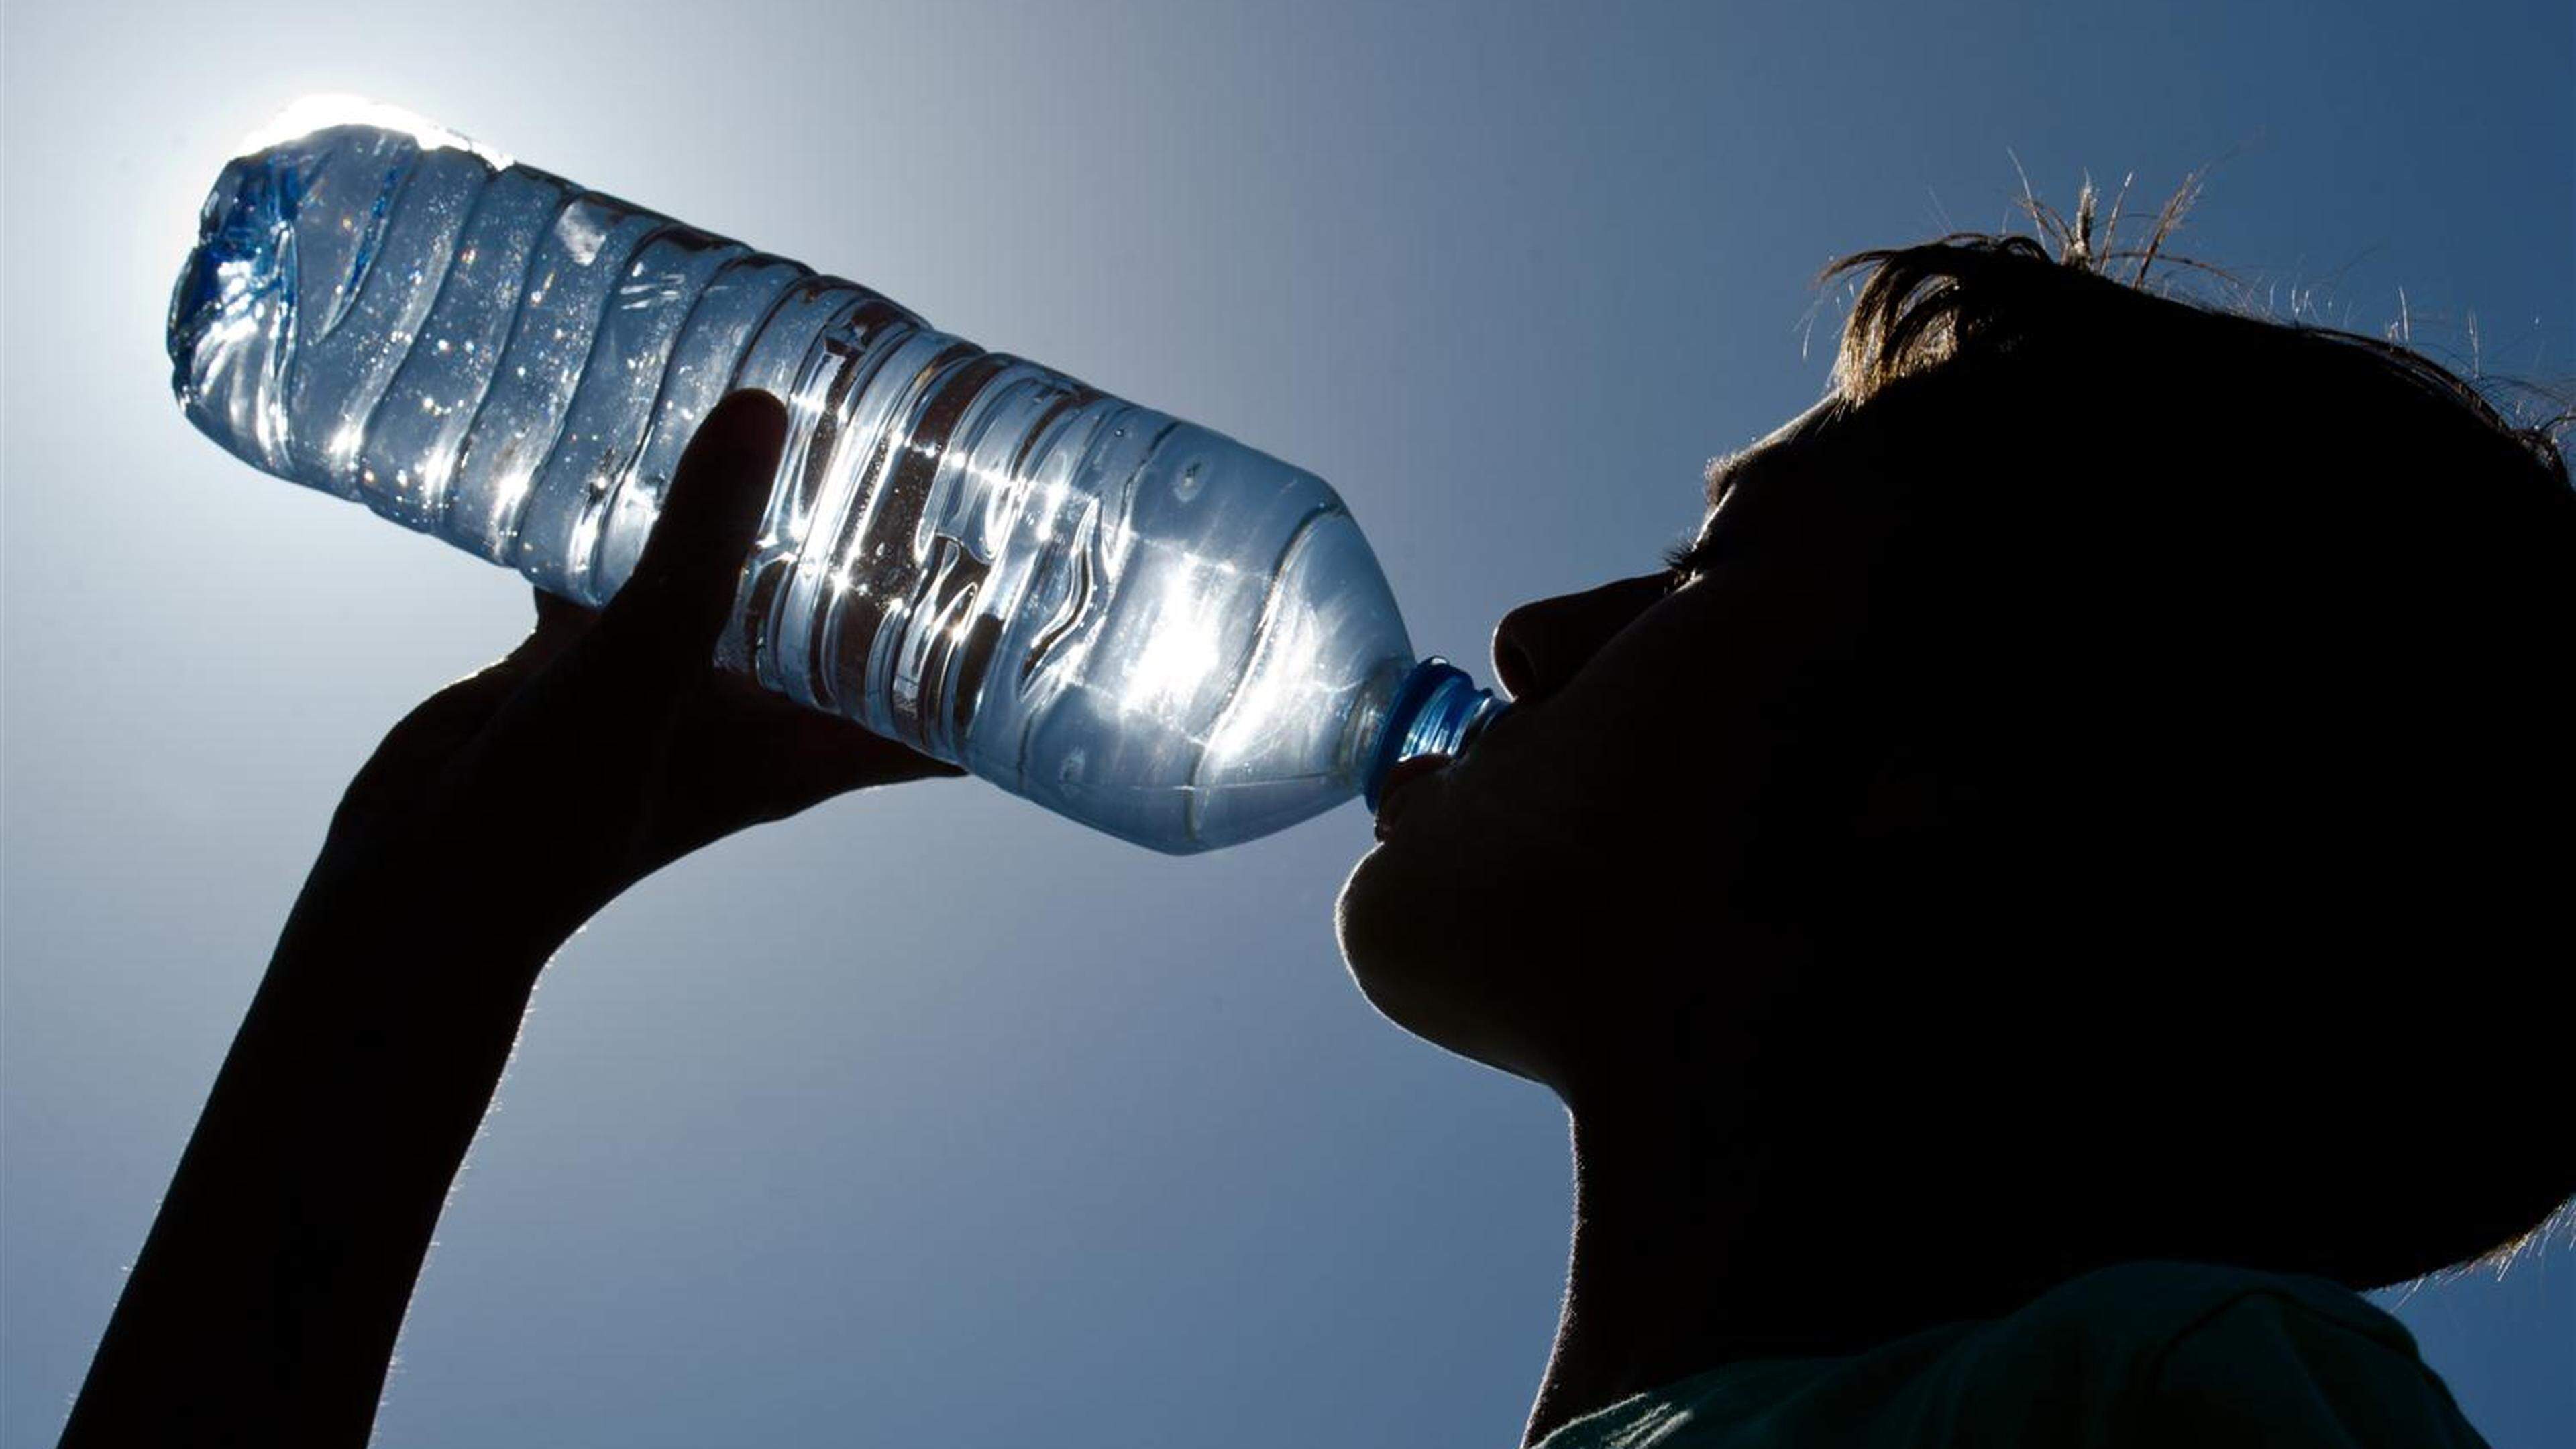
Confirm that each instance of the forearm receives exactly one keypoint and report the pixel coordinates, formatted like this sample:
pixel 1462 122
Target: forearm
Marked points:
pixel 488 824
pixel 266 1301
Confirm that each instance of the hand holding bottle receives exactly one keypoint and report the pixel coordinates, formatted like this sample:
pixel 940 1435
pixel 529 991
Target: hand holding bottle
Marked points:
pixel 607 744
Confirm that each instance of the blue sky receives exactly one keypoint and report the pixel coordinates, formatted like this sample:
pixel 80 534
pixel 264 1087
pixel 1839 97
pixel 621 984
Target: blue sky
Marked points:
pixel 929 1116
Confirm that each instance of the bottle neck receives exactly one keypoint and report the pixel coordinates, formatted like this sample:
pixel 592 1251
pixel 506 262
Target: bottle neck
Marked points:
pixel 1437 710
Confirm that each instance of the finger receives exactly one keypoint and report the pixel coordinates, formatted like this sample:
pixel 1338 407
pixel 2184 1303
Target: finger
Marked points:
pixel 763 764
pixel 735 708
pixel 434 730
pixel 443 723
pixel 769 757
pixel 560 622
pixel 801 757
pixel 665 620
pixel 561 617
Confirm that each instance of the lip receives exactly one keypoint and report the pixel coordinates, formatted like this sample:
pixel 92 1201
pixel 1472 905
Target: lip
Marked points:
pixel 1406 771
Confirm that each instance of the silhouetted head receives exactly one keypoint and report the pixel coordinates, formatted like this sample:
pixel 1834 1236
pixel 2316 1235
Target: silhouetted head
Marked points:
pixel 2100 784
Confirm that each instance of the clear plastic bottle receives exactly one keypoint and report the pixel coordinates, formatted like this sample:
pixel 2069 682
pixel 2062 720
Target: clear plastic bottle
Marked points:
pixel 1124 617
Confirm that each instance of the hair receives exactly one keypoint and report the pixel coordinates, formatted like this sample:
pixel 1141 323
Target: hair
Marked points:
pixel 2236 654
pixel 1971 295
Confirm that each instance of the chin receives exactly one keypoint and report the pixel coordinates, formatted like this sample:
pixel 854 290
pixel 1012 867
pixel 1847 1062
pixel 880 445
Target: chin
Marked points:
pixel 1430 951
pixel 1380 923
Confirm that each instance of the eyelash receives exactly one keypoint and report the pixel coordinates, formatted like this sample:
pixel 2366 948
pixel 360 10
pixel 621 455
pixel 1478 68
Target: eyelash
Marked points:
pixel 1684 562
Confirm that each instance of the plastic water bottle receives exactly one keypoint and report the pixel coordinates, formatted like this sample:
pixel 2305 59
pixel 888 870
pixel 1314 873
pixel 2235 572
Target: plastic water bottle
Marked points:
pixel 1127 618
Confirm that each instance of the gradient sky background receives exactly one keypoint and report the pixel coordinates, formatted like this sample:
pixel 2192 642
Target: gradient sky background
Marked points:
pixel 930 1117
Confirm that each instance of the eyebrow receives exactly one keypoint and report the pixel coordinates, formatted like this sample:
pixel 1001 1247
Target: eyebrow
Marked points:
pixel 1721 474
pixel 1724 474
pixel 1727 470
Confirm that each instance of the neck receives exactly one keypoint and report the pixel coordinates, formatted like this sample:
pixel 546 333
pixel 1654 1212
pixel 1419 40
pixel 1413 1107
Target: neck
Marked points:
pixel 1659 1236
pixel 1695 1246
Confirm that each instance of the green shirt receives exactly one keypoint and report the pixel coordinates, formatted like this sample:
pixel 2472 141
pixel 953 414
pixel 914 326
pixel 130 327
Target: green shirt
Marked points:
pixel 2136 1356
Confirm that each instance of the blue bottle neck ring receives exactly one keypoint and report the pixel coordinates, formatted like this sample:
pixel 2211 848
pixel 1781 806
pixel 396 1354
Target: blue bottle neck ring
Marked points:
pixel 1437 710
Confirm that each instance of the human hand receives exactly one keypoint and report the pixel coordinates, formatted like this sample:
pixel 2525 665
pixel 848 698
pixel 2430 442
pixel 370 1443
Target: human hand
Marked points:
pixel 514 804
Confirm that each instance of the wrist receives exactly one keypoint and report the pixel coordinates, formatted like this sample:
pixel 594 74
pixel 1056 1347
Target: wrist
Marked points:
pixel 417 925
pixel 500 905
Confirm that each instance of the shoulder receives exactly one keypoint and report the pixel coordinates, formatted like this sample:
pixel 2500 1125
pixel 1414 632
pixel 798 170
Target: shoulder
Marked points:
pixel 2136 1356
pixel 2143 1355
pixel 2156 1301
pixel 2297 1364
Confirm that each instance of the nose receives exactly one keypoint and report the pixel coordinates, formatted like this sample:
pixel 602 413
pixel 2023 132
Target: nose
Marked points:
pixel 1542 644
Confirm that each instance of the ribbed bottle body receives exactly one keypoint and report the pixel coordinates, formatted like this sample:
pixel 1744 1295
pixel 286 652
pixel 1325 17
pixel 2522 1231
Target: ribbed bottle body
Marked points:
pixel 1130 619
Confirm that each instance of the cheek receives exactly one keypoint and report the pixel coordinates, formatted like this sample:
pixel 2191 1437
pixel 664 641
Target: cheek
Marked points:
pixel 1560 802
pixel 1626 755
pixel 1577 823
pixel 1603 805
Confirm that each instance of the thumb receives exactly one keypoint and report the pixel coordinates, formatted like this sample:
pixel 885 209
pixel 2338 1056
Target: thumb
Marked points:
pixel 663 624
